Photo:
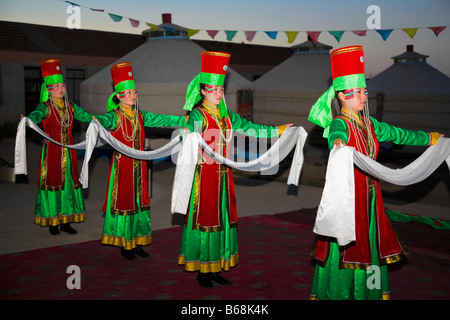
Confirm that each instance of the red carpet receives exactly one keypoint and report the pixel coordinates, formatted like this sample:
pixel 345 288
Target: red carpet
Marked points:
pixel 274 265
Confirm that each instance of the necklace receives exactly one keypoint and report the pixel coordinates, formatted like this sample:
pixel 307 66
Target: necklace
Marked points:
pixel 65 117
pixel 134 121
pixel 212 110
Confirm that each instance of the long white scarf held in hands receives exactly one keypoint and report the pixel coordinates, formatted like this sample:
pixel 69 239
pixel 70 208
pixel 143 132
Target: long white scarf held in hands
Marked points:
pixel 20 152
pixel 336 213
pixel 95 131
pixel 188 156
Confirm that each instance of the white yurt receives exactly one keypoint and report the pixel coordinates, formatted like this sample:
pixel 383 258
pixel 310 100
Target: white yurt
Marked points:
pixel 163 67
pixel 286 93
pixel 417 95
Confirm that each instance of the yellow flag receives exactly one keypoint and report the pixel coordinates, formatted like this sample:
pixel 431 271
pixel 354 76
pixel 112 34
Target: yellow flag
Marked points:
pixel 291 35
pixel 151 25
pixel 191 32
pixel 410 32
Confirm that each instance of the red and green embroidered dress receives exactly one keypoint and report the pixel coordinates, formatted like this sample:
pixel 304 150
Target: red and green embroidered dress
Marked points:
pixel 127 202
pixel 59 198
pixel 209 240
pixel 341 272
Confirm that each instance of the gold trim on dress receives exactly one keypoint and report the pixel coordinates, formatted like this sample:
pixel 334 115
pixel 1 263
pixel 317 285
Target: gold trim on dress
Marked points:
pixel 126 244
pixel 59 219
pixel 211 266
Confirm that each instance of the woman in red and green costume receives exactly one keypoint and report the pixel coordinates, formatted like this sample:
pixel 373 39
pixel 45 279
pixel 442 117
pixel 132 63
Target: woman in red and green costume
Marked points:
pixel 342 272
pixel 209 241
pixel 127 205
pixel 59 200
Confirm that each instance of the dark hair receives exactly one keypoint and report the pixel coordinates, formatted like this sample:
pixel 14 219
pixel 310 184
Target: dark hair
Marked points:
pixel 336 105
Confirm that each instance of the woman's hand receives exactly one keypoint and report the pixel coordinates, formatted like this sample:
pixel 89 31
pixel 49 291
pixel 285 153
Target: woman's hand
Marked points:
pixel 338 143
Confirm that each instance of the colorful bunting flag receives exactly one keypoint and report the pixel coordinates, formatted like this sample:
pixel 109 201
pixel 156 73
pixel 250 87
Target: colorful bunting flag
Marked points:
pixel 73 4
pixel 272 34
pixel 291 35
pixel 230 34
pixel 212 33
pixel 410 32
pixel 313 35
pixel 437 30
pixel 337 34
pixel 361 33
pixel 134 23
pixel 115 17
pixel 191 32
pixel 384 33
pixel 249 35
pixel 152 26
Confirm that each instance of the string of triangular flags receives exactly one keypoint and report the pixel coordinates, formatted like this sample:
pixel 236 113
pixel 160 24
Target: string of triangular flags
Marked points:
pixel 291 35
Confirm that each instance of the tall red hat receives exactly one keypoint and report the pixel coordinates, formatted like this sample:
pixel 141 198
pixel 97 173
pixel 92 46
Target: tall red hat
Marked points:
pixel 347 61
pixel 347 70
pixel 52 71
pixel 215 62
pixel 214 67
pixel 123 79
pixel 122 72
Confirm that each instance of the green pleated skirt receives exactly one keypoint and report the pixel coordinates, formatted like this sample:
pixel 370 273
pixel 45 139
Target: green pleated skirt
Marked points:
pixel 62 206
pixel 332 283
pixel 209 251
pixel 126 231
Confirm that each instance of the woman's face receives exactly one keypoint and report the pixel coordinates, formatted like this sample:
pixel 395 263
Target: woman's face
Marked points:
pixel 213 94
pixel 357 102
pixel 128 97
pixel 58 90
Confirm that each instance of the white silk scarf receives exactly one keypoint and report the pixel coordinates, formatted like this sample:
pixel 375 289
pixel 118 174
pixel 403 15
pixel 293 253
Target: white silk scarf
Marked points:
pixel 336 212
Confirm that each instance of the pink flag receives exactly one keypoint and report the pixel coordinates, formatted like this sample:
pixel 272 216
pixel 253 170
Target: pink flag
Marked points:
pixel 437 30
pixel 314 35
pixel 212 33
pixel 361 33
pixel 134 23
pixel 249 35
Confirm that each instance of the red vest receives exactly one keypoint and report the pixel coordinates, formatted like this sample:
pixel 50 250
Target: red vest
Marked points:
pixel 54 161
pixel 130 176
pixel 358 253
pixel 213 179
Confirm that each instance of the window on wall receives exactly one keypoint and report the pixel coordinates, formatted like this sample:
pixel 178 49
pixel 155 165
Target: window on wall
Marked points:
pixel 74 77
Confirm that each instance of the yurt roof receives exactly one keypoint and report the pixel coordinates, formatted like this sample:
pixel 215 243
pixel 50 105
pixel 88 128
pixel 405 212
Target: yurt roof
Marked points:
pixel 305 70
pixel 161 67
pixel 410 76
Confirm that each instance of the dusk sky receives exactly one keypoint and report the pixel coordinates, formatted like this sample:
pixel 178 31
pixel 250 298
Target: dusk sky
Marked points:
pixel 264 15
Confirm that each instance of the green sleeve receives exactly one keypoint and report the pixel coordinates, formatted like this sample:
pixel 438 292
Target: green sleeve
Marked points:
pixel 251 129
pixel 162 120
pixel 108 120
pixel 389 133
pixel 39 113
pixel 338 130
pixel 81 115
pixel 194 122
